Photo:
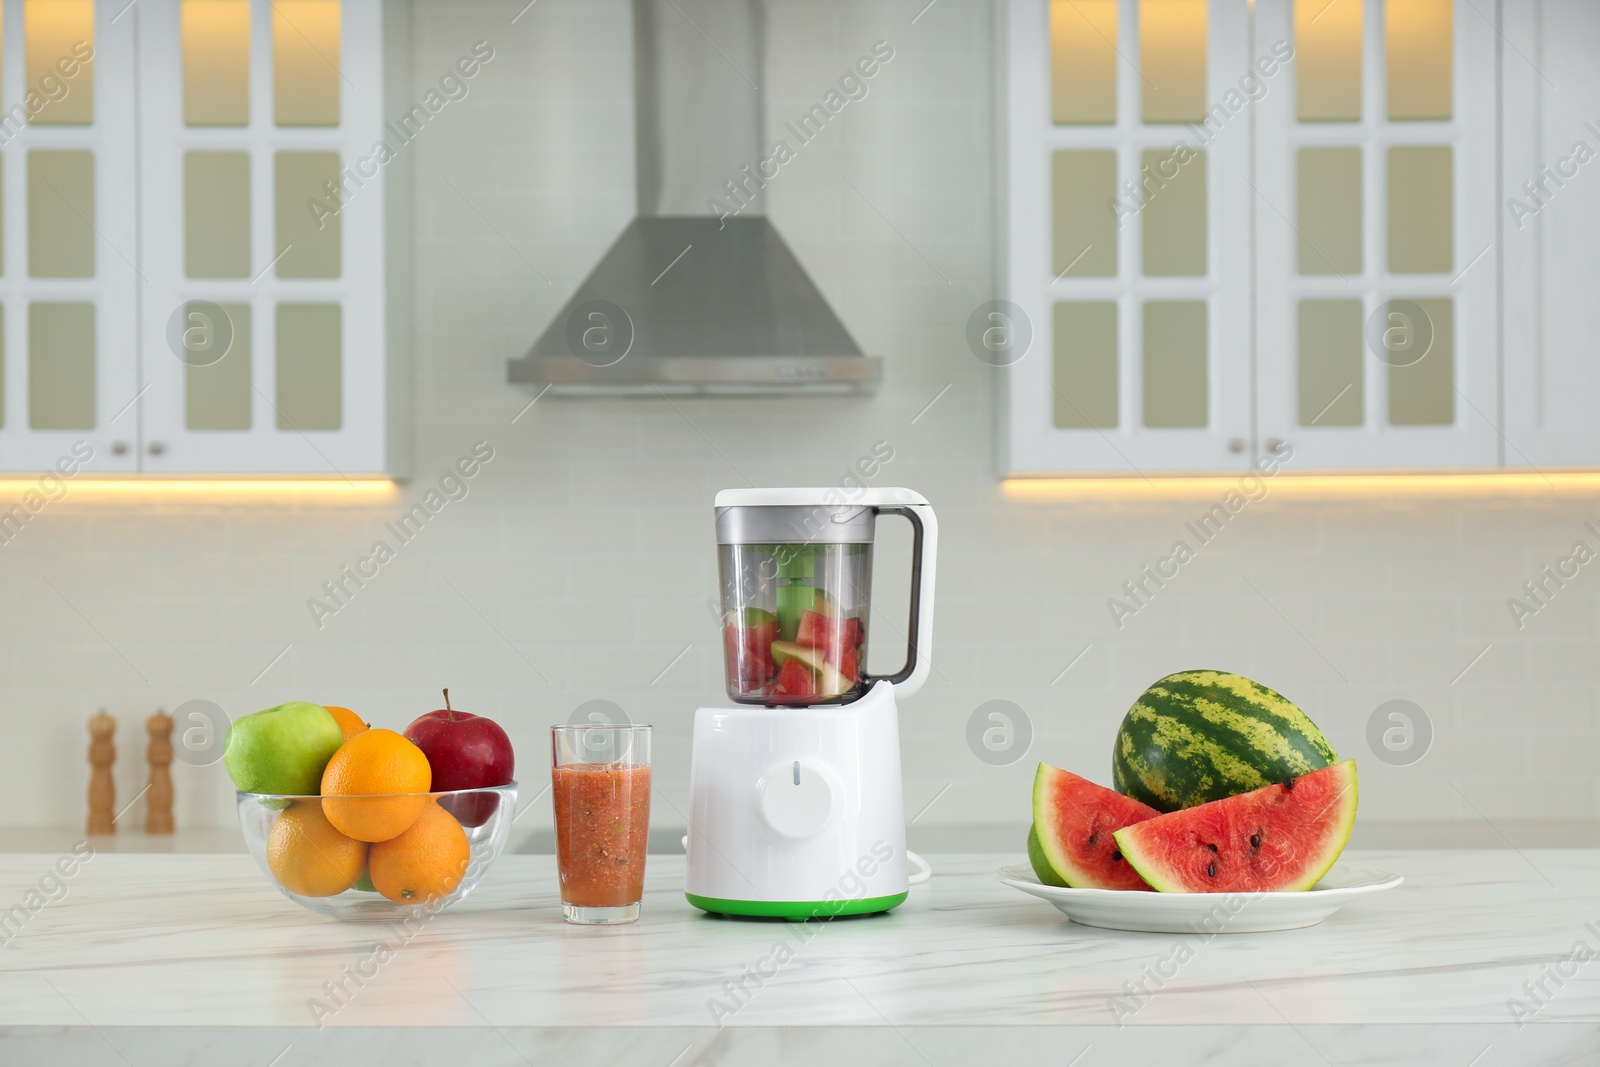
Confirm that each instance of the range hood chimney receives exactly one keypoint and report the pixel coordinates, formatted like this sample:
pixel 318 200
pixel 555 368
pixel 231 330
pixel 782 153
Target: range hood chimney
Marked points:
pixel 693 298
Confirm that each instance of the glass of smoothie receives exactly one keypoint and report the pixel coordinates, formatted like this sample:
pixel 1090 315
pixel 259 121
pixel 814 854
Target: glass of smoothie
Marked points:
pixel 600 781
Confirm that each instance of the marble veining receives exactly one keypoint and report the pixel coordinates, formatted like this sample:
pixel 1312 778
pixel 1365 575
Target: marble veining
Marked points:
pixel 198 942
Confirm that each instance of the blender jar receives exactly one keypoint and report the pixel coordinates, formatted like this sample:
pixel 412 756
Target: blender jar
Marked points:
pixel 794 612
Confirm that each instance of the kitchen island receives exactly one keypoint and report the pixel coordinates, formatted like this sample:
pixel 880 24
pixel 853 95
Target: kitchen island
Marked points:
pixel 1482 957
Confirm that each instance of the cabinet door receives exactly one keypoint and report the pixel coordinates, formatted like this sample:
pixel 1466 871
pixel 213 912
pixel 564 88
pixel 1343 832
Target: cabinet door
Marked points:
pixel 1128 220
pixel 1549 221
pixel 68 240
pixel 1375 221
pixel 264 200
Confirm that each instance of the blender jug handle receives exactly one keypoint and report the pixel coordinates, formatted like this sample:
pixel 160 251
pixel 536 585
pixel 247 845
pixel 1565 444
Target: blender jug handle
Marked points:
pixel 919 634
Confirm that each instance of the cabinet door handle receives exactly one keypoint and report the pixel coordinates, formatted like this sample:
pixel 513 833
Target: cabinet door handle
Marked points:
pixel 1276 445
pixel 119 448
pixel 156 448
pixel 1235 444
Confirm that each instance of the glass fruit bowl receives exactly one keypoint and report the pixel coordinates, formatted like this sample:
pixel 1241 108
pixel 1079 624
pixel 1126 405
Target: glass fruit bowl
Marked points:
pixel 435 848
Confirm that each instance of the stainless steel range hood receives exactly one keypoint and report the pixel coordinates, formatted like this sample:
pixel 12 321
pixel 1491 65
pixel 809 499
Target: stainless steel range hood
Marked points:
pixel 700 293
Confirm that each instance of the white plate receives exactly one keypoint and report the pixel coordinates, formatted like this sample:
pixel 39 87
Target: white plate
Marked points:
pixel 1205 913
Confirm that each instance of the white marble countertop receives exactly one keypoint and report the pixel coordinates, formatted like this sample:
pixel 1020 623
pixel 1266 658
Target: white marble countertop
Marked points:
pixel 195 958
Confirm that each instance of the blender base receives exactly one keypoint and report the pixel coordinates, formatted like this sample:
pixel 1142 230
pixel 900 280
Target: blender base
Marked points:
pixel 797 911
pixel 796 812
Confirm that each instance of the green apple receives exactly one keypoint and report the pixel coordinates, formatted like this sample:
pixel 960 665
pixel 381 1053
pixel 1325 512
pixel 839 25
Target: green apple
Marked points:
pixel 282 750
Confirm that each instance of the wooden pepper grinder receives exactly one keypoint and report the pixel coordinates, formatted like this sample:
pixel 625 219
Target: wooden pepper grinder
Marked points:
pixel 102 789
pixel 158 805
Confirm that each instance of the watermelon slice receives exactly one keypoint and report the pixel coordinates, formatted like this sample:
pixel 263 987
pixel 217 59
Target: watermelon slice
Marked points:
pixel 1074 820
pixel 829 682
pixel 812 629
pixel 747 641
pixel 849 666
pixel 1041 865
pixel 831 632
pixel 1278 838
pixel 796 679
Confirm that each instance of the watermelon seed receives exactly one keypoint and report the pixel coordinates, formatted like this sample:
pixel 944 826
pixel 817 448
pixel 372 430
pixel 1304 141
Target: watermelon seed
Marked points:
pixel 1288 783
pixel 1115 854
pixel 1255 840
pixel 1213 848
pixel 1211 869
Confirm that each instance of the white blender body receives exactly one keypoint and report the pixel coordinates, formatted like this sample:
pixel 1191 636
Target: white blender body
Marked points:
pixel 796 807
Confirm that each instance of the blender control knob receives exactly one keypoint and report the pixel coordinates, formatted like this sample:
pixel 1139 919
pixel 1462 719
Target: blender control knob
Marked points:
pixel 796 799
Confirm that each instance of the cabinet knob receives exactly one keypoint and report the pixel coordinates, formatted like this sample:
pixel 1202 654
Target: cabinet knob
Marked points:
pixel 1235 444
pixel 156 448
pixel 1276 445
pixel 119 448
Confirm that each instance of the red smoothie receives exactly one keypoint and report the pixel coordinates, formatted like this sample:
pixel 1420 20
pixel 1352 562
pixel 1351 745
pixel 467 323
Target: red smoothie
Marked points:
pixel 602 827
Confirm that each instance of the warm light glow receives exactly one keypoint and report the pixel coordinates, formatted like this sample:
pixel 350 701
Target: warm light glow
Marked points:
pixel 333 490
pixel 305 62
pixel 1419 36
pixel 216 62
pixel 1172 60
pixel 58 36
pixel 1083 60
pixel 1327 49
pixel 1300 486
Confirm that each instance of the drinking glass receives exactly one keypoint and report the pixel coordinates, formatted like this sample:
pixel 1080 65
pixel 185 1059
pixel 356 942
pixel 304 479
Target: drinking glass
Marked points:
pixel 600 781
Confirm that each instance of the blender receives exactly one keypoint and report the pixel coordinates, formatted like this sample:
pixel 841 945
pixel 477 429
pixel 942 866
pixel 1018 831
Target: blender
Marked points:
pixel 794 787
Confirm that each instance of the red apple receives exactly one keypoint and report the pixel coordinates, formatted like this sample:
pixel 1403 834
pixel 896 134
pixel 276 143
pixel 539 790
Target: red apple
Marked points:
pixel 465 752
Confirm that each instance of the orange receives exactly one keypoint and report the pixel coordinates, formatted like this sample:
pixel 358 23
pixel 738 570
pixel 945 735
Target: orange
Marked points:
pixel 349 722
pixel 425 863
pixel 308 856
pixel 361 780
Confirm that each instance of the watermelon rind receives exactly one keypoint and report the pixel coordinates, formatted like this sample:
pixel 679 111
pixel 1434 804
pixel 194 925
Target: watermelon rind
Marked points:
pixel 1139 843
pixel 1041 863
pixel 1106 811
pixel 1198 736
pixel 810 655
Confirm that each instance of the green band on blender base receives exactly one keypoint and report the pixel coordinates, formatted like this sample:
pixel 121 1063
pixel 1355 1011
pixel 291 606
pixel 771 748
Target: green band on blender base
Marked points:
pixel 798 910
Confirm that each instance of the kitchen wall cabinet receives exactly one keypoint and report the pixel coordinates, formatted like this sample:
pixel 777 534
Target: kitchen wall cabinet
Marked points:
pixel 69 274
pixel 1548 223
pixel 1348 280
pixel 1132 290
pixel 240 306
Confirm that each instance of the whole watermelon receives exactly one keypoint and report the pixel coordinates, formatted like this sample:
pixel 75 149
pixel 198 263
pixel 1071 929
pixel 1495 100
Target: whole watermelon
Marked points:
pixel 1199 736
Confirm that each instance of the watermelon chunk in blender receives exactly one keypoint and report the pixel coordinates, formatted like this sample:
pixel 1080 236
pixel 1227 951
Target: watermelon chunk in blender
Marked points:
pixel 790 602
pixel 747 645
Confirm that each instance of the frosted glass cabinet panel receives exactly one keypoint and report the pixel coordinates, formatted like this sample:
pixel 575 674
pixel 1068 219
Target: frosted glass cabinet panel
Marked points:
pixel 1084 371
pixel 1083 61
pixel 1418 37
pixel 58 37
pixel 1328 46
pixel 200 248
pixel 1172 60
pixel 1084 237
pixel 306 58
pixel 216 62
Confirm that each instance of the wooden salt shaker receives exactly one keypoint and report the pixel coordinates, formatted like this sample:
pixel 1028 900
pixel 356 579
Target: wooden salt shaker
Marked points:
pixel 102 789
pixel 158 802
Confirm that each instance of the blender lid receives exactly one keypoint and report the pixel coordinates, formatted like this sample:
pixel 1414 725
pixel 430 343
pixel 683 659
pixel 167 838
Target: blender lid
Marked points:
pixel 822 515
